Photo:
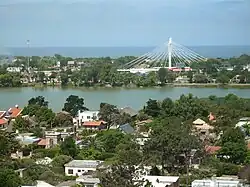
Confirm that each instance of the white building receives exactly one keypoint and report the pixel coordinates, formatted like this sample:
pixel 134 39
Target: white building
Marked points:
pixel 87 116
pixel 80 167
pixel 216 183
pixel 14 69
pixel 88 181
pixel 162 181
pixel 40 184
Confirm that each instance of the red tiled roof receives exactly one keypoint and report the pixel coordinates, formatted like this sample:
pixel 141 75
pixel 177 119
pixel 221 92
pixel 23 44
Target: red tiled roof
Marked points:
pixel 2 113
pixel 3 121
pixel 93 123
pixel 15 112
pixel 212 149
pixel 42 142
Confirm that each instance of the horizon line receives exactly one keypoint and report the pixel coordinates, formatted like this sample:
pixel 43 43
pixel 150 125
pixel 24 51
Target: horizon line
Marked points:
pixel 214 45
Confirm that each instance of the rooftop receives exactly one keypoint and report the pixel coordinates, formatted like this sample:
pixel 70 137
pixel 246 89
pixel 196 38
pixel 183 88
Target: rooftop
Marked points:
pixel 93 123
pixel 3 121
pixel 127 128
pixel 83 163
pixel 66 184
pixel 88 179
pixel 128 110
pixel 15 111
pixel 161 181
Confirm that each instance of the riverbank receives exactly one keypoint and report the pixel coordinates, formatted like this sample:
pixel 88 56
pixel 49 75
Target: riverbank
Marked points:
pixel 194 85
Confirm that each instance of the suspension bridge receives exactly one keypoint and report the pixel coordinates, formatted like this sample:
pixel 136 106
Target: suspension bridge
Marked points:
pixel 170 55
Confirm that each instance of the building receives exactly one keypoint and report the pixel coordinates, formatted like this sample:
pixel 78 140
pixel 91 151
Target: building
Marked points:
pixel 126 128
pixel 217 183
pixel 13 112
pixel 14 69
pixel 94 125
pixel 87 116
pixel 88 181
pixel 162 181
pixel 3 120
pixel 80 167
pixel 128 110
pixel 40 184
pixel 53 138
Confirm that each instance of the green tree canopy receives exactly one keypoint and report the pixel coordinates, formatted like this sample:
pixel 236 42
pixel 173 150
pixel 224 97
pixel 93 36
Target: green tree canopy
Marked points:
pixel 74 104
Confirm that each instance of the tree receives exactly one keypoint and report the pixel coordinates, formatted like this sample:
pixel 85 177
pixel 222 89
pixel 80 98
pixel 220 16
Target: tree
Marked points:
pixel 119 176
pixel 234 148
pixel 9 178
pixel 40 101
pixel 8 144
pixel 45 115
pixel 22 124
pixel 109 140
pixel 68 147
pixel 63 119
pixel 169 139
pixel 109 113
pixel 167 106
pixel 74 104
pixel 152 108
pixel 223 79
pixel 129 153
pixel 162 73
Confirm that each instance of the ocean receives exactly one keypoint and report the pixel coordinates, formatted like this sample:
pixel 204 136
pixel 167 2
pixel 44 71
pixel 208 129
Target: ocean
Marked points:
pixel 206 51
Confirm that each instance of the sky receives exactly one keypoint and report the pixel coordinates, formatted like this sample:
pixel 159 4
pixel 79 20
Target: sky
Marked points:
pixel 123 22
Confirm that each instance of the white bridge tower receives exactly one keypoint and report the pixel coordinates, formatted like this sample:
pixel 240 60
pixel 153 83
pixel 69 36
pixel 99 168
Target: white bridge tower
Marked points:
pixel 170 53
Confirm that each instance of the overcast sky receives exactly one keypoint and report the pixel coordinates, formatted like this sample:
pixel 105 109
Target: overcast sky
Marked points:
pixel 124 22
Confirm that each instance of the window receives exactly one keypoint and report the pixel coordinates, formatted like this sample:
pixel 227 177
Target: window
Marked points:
pixel 78 170
pixel 88 117
pixel 70 171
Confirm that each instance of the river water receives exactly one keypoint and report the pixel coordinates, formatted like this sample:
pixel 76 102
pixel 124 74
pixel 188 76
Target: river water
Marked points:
pixel 135 98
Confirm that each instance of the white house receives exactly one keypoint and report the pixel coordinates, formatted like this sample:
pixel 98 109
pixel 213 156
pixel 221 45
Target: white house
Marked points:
pixel 80 167
pixel 216 182
pixel 162 181
pixel 40 184
pixel 87 116
pixel 88 181
pixel 14 69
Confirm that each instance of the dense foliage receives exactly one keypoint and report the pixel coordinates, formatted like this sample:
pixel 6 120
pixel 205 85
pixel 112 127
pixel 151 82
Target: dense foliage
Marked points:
pixel 172 143
pixel 103 72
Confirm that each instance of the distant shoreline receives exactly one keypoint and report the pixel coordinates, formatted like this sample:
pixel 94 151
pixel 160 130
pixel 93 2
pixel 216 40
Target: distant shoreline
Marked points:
pixel 190 85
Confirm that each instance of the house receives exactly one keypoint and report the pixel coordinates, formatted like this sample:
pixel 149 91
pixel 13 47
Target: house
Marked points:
pixel 3 123
pixel 71 63
pixel 13 112
pixel 217 182
pixel 88 180
pixel 80 167
pixel 126 128
pixel 94 125
pixel 203 128
pixel 162 181
pixel 87 116
pixel 212 150
pixel 243 121
pixel 128 110
pixel 67 184
pixel 40 184
pixel 53 138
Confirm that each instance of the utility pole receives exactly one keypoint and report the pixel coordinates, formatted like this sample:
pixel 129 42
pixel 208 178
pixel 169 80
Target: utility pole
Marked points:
pixel 28 44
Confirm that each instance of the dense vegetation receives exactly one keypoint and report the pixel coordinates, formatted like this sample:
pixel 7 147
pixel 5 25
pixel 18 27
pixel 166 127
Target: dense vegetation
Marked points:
pixel 171 135
pixel 103 72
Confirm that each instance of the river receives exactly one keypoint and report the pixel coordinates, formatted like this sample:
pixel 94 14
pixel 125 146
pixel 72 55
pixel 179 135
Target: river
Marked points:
pixel 135 98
